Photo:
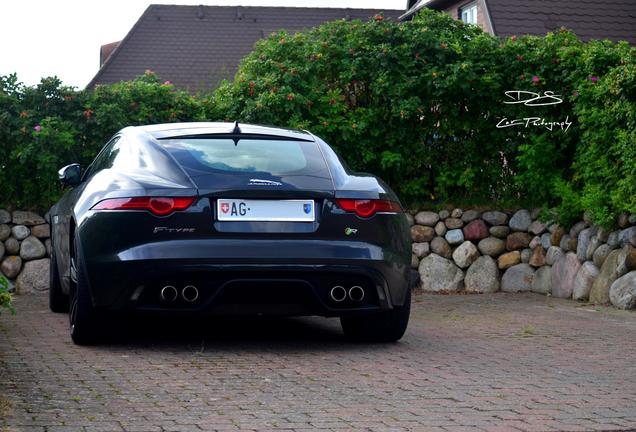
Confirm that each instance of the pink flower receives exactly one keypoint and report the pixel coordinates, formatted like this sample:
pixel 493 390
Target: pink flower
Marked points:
pixel 167 82
pixel 594 78
pixel 535 79
pixel 37 128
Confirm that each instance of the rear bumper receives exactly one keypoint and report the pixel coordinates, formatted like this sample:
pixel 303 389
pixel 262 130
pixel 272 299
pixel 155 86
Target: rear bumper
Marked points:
pixel 283 277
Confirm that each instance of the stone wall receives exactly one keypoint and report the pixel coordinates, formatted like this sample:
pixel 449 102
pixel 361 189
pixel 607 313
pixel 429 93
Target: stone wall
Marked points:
pixel 478 252
pixel 453 251
pixel 25 246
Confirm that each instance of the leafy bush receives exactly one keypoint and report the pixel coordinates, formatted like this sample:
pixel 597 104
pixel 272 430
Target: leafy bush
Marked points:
pixel 5 296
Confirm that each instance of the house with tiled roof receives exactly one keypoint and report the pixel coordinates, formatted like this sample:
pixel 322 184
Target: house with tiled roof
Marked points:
pixel 589 19
pixel 195 47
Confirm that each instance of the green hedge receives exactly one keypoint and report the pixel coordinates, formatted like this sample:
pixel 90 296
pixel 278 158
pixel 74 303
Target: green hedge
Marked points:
pixel 416 103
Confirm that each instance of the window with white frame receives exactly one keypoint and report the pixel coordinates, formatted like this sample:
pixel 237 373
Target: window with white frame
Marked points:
pixel 468 13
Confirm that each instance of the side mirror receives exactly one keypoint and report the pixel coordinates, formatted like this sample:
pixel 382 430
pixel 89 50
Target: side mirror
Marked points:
pixel 70 175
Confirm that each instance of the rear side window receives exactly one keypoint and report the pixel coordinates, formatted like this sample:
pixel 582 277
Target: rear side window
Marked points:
pixel 276 157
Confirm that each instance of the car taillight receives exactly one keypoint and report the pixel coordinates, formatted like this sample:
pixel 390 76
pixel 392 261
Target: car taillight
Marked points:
pixel 367 208
pixel 160 206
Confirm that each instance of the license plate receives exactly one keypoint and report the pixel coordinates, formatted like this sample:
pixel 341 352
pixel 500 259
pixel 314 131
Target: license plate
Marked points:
pixel 265 210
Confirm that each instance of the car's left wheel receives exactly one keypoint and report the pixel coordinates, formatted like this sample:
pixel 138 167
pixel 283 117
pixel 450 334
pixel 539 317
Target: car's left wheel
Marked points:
pixel 58 301
pixel 83 317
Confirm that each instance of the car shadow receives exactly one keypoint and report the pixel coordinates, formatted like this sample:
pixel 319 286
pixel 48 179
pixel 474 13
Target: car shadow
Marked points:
pixel 230 333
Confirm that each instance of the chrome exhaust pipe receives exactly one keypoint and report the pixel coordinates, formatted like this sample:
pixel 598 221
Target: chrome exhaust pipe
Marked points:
pixel 338 293
pixel 356 293
pixel 169 293
pixel 190 293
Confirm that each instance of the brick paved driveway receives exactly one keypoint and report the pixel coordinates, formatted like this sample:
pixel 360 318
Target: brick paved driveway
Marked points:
pixel 491 362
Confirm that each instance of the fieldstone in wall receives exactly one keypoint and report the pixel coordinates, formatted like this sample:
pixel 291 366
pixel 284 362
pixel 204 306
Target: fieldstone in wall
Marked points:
pixel 591 247
pixel 5 232
pixel 556 236
pixel 565 242
pixel 5 217
pixel 600 254
pixel 12 246
pixel 491 246
pixel 27 218
pixel 508 260
pixel 577 228
pixel 536 241
pixel 420 249
pixel 542 281
pixel 410 219
pixel 427 218
pixel 517 241
pixel 517 278
pixel 546 240
pixel 454 236
pixel 610 271
pixel 457 213
pixel 623 291
pixel 563 273
pixel 440 228
pixel 41 231
pixel 583 281
pixel 11 266
pixel 612 239
pixel 32 248
pixel 440 275
pixel 465 254
pixel 583 242
pixel 623 220
pixel 525 255
pixel 520 221
pixel 440 246
pixel 627 236
pixel 495 217
pixel 482 276
pixel 603 234
pixel 422 234
pixel 537 228
pixel 552 255
pixel 443 214
pixel 415 261
pixel 470 215
pixel 453 223
pixel 34 277
pixel 500 231
pixel 537 259
pixel 475 230
pixel 20 232
pixel 1 250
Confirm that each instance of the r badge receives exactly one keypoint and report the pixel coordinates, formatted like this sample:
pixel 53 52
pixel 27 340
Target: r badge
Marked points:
pixel 349 231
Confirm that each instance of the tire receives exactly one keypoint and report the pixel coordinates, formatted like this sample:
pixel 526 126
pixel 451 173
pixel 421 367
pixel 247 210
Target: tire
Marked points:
pixel 388 326
pixel 83 317
pixel 58 301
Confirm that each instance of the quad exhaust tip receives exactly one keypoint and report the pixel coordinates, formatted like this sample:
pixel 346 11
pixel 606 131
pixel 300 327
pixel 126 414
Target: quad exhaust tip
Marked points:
pixel 190 293
pixel 169 293
pixel 338 293
pixel 356 293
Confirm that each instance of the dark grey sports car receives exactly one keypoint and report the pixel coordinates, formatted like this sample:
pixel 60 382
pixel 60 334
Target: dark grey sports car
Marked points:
pixel 220 218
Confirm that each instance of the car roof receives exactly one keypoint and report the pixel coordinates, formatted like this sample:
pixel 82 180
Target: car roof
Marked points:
pixel 173 130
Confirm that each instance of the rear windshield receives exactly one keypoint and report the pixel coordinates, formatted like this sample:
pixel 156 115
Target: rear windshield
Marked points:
pixel 201 156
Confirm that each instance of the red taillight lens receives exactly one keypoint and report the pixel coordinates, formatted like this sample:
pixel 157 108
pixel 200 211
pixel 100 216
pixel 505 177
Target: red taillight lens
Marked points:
pixel 367 208
pixel 159 206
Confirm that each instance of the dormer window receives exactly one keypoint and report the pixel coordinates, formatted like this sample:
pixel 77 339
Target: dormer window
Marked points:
pixel 468 13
